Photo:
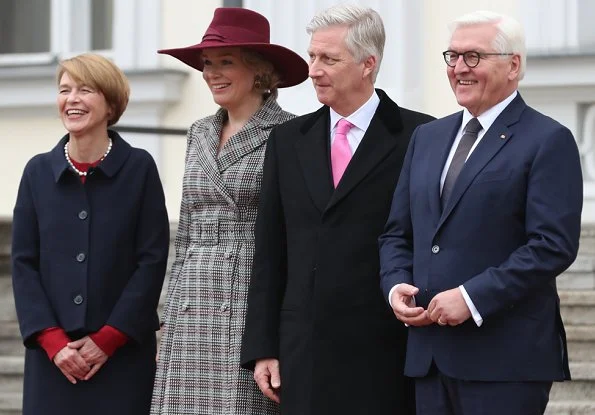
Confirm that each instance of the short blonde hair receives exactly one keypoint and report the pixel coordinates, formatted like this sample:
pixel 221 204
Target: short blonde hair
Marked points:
pixel 102 75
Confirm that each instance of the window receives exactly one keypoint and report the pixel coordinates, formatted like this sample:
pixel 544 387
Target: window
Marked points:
pixel 24 26
pixel 102 17
pixel 38 31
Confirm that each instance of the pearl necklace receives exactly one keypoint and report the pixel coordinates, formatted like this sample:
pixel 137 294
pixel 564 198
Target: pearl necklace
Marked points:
pixel 77 171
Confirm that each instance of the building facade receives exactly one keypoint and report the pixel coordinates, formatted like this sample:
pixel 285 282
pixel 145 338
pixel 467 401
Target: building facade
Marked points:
pixel 35 34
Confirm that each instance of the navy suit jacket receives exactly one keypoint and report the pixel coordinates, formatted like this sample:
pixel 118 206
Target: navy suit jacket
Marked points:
pixel 510 227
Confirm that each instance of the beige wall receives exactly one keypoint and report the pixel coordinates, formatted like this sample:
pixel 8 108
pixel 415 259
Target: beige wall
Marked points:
pixel 22 138
pixel 184 23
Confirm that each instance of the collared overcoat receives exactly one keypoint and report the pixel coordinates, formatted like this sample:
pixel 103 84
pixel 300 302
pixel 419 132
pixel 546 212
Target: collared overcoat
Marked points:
pixel 199 359
pixel 87 255
pixel 315 302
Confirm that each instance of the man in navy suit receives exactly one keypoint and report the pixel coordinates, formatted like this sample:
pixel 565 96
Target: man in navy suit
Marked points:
pixel 485 216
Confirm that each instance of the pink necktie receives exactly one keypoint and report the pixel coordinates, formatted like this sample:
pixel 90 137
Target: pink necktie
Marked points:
pixel 340 150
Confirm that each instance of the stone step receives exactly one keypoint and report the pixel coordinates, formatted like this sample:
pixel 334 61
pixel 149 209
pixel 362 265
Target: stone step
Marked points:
pixel 11 403
pixel 571 408
pixel 580 275
pixel 11 373
pixel 7 309
pixel 10 339
pixel 582 386
pixel 581 343
pixel 577 307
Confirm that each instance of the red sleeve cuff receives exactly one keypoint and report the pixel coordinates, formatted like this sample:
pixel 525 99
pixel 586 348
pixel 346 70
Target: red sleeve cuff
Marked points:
pixel 53 340
pixel 109 339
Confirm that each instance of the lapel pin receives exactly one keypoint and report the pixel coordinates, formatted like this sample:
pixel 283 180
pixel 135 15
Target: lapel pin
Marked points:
pixel 503 136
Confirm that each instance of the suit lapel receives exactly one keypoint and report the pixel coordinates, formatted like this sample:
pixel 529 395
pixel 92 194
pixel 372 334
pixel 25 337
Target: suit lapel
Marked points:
pixel 491 143
pixel 378 142
pixel 312 150
pixel 253 135
pixel 438 160
pixel 207 156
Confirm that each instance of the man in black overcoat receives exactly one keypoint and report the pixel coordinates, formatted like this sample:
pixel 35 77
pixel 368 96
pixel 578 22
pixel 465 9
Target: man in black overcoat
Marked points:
pixel 319 335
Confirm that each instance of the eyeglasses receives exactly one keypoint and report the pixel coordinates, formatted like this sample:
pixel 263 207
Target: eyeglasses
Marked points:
pixel 471 58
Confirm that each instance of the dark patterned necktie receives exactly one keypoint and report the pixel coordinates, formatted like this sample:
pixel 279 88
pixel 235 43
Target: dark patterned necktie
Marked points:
pixel 456 165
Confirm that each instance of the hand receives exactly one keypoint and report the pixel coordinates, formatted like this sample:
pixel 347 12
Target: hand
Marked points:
pixel 268 379
pixel 91 353
pixel 449 307
pixel 71 364
pixel 403 305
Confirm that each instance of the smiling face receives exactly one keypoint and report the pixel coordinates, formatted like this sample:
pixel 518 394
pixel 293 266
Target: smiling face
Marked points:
pixel 83 110
pixel 229 78
pixel 493 80
pixel 340 82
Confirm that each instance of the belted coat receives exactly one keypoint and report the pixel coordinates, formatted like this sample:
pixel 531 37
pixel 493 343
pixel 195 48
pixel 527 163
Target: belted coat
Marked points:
pixel 199 359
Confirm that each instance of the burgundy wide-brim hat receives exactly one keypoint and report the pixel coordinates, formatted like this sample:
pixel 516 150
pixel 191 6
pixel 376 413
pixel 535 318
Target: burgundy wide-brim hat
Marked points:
pixel 238 27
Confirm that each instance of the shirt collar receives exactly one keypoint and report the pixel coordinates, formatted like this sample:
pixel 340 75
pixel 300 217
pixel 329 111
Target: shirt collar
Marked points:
pixel 487 118
pixel 362 117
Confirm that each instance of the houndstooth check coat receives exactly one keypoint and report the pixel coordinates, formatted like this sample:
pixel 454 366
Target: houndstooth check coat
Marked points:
pixel 198 371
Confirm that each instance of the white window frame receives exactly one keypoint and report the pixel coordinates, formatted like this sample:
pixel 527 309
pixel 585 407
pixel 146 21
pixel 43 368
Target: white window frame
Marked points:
pixel 28 80
pixel 134 33
pixel 557 26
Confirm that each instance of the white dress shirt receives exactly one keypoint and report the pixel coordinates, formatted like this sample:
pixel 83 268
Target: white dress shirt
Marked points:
pixel 360 119
pixel 486 119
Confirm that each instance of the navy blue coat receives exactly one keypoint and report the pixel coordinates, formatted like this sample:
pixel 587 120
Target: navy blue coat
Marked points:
pixel 84 256
pixel 510 227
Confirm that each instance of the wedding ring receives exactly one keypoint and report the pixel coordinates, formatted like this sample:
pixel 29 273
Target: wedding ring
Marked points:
pixel 442 323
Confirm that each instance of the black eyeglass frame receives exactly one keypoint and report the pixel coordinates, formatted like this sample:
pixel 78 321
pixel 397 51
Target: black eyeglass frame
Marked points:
pixel 478 55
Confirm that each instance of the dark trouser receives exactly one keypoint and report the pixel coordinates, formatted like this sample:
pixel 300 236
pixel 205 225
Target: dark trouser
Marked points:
pixel 437 394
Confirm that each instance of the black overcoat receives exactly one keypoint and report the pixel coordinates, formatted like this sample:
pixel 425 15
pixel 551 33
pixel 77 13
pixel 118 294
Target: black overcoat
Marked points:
pixel 84 256
pixel 315 300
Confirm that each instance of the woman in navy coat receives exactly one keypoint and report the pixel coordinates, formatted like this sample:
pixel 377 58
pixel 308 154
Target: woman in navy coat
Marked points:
pixel 90 242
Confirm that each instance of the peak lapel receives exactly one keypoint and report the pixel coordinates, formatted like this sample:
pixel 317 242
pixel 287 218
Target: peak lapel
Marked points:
pixel 253 135
pixel 491 143
pixel 207 156
pixel 312 150
pixel 379 140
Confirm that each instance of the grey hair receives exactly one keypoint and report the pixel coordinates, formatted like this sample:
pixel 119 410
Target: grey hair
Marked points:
pixel 365 30
pixel 509 39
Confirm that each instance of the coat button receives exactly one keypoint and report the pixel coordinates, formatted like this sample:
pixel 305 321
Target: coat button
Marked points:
pixel 78 300
pixel 224 307
pixel 83 215
pixel 435 249
pixel 227 255
pixel 80 257
pixel 184 307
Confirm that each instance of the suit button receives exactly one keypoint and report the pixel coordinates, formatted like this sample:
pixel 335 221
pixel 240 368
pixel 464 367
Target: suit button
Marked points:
pixel 78 300
pixel 80 257
pixel 83 215
pixel 435 249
